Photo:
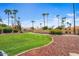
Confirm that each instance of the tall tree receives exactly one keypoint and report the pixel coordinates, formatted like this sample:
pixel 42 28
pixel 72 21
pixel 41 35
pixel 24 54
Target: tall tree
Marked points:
pixel 74 17
pixel 40 25
pixel 12 20
pixel 47 17
pixel 44 18
pixel 32 23
pixel 12 24
pixel 19 26
pixel 1 21
pixel 8 12
pixel 62 22
pixel 14 13
pixel 69 25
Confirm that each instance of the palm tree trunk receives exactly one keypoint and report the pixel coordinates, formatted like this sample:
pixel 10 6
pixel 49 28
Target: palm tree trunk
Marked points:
pixel 32 24
pixel 8 19
pixel 47 20
pixel 44 20
pixel 15 18
pixel 12 26
pixel 58 22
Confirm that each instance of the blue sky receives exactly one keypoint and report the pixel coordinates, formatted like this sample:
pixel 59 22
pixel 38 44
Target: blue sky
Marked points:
pixel 33 11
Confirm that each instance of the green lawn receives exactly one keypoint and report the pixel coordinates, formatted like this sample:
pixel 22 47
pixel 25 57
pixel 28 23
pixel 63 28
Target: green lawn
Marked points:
pixel 13 44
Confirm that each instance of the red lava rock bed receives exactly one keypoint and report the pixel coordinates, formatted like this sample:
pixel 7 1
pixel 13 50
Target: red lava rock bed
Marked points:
pixel 62 46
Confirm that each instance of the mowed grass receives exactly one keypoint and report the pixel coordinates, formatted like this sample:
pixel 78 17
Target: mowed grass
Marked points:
pixel 13 44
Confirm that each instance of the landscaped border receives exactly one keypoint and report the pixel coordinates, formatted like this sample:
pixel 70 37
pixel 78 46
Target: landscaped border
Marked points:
pixel 36 47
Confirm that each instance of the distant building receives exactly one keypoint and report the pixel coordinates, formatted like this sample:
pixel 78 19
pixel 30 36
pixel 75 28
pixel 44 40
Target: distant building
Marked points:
pixel 70 30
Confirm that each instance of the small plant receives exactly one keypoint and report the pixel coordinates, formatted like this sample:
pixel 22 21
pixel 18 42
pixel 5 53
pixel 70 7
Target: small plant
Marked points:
pixel 56 31
pixel 50 28
pixel 45 28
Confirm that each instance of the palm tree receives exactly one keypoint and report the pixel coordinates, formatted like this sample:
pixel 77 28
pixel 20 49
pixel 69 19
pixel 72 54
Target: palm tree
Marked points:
pixel 8 12
pixel 32 23
pixel 62 22
pixel 74 17
pixel 1 21
pixel 12 24
pixel 12 20
pixel 69 25
pixel 58 19
pixel 44 18
pixel 40 25
pixel 47 17
pixel 14 13
pixel 19 26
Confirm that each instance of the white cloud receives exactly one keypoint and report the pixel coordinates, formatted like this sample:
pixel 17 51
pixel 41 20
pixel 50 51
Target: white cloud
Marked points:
pixel 70 14
pixel 53 22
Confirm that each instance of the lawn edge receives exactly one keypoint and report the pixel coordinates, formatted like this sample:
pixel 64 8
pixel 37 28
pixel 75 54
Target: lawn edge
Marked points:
pixel 35 48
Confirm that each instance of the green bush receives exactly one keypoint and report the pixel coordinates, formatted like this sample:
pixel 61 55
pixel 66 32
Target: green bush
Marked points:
pixel 60 27
pixel 56 31
pixel 45 28
pixel 50 28
pixel 32 28
pixel 0 31
pixel 1 28
pixel 15 31
pixel 7 30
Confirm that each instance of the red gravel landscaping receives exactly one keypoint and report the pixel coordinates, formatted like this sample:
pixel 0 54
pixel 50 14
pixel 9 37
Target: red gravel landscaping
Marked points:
pixel 62 46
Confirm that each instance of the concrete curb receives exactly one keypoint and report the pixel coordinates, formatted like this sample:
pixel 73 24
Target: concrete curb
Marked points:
pixel 35 48
pixel 73 54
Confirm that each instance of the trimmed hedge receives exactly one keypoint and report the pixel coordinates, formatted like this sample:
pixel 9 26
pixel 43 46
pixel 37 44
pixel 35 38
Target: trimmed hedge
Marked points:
pixel 7 30
pixel 56 31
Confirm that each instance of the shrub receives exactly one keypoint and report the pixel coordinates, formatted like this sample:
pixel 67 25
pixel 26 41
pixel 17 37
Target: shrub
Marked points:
pixel 0 31
pixel 7 30
pixel 60 27
pixel 56 31
pixel 50 28
pixel 15 31
pixel 1 28
pixel 45 28
pixel 32 28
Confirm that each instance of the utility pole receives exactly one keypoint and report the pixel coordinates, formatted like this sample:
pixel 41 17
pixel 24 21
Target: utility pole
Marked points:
pixel 74 17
